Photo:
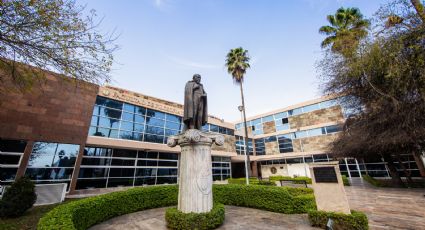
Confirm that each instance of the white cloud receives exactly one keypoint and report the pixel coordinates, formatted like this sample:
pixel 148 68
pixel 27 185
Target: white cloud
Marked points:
pixel 191 64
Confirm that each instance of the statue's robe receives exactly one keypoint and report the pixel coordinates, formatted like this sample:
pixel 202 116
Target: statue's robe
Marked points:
pixel 195 106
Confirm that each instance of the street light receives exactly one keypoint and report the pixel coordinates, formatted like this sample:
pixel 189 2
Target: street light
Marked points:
pixel 240 108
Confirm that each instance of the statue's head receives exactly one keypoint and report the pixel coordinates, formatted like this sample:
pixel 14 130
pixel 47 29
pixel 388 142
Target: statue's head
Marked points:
pixel 197 78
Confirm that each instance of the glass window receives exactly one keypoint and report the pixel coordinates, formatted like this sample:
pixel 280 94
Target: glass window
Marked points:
pixel 93 173
pixel 206 127
pixel 282 127
pixel 172 125
pixel 154 138
pixel 170 156
pixel 327 104
pixel 121 172
pixel 129 108
pixel 16 146
pixel 109 103
pixel 268 118
pixel 333 129
pixel 96 161
pixel 296 111
pixel 270 139
pixel 155 122
pixel 281 115
pixel 171 132
pixel 310 108
pixel 256 121
pixel 315 132
pixel 154 130
pixel 173 118
pixel 301 134
pixel 124 153
pixel 146 172
pixel 53 155
pixel 8 174
pixel 214 128
pixel 155 114
pixel 6 159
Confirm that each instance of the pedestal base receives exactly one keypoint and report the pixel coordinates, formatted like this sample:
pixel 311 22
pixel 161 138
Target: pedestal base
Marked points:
pixel 195 170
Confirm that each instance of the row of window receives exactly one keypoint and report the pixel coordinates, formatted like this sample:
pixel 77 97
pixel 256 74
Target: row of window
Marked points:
pixel 240 145
pixel 281 119
pixel 284 141
pixel 115 119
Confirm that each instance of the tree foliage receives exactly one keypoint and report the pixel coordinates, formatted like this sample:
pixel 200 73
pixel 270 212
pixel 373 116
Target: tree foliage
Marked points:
pixel 384 83
pixel 54 35
pixel 346 29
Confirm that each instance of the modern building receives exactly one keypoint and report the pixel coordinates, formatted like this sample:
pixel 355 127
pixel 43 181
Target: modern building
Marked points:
pixel 90 136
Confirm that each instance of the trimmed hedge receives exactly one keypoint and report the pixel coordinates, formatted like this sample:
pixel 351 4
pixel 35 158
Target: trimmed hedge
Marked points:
pixel 345 180
pixel 296 180
pixel 182 221
pixel 252 181
pixel 275 199
pixel 354 221
pixel 86 212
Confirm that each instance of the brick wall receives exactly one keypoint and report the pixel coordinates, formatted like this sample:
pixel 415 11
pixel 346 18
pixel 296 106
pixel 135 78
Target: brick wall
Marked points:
pixel 55 110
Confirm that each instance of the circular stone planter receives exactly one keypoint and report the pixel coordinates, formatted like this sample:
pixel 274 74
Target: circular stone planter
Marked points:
pixel 181 221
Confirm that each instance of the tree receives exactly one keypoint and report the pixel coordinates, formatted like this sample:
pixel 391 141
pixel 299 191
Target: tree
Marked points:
pixel 52 35
pixel 237 62
pixel 347 28
pixel 385 84
pixel 18 198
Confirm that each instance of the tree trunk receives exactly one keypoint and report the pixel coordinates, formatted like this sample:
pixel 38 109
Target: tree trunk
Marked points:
pixel 419 163
pixel 419 7
pixel 406 173
pixel 393 170
pixel 246 132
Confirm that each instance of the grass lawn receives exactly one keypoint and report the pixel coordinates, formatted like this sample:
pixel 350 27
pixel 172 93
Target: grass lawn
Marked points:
pixel 29 220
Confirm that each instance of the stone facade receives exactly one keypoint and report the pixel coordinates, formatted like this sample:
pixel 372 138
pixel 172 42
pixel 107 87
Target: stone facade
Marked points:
pixel 272 148
pixel 228 146
pixel 331 114
pixel 269 127
pixel 317 143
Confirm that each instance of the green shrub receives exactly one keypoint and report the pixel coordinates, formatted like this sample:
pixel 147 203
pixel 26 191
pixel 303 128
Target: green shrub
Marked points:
pixel 275 199
pixel 296 180
pixel 345 180
pixel 268 183
pixel 252 180
pixel 18 198
pixel 182 221
pixel 82 214
pixel 373 181
pixel 354 221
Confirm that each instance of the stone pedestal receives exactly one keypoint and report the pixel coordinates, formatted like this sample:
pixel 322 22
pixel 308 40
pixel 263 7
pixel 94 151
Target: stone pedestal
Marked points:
pixel 328 187
pixel 195 172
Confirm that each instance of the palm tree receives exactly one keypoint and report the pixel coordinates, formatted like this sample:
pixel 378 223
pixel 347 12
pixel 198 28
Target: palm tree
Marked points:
pixel 347 28
pixel 237 62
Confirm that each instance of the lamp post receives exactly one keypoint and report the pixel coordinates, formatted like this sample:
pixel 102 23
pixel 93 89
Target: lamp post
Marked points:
pixel 241 108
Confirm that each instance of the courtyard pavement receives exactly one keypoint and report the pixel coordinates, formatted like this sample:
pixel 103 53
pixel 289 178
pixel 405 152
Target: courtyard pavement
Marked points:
pixel 389 208
pixel 236 218
pixel 386 208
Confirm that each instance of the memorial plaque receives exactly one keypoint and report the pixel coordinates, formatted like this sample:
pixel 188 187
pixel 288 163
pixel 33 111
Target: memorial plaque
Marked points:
pixel 325 175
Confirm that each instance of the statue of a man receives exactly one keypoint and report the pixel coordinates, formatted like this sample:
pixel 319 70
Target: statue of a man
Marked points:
pixel 195 104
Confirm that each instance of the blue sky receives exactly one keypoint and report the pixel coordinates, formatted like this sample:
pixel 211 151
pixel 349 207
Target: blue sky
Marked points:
pixel 164 42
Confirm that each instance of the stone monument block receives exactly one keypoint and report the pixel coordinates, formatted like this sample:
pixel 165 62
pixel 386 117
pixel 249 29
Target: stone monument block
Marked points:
pixel 329 187
pixel 195 170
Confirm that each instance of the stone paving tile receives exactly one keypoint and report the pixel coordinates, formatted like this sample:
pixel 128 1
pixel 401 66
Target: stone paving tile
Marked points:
pixel 389 208
pixel 236 218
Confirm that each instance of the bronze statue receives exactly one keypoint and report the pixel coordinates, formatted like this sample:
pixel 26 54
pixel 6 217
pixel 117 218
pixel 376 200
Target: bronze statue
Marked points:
pixel 195 104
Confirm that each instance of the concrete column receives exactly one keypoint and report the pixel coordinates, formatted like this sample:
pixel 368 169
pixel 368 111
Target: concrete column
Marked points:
pixel 195 170
pixel 76 171
pixel 254 169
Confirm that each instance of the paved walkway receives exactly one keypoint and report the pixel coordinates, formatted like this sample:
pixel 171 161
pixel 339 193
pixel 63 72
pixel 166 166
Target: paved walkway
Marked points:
pixel 389 208
pixel 236 218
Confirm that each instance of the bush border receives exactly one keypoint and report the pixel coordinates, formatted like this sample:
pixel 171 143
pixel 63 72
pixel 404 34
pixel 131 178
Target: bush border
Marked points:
pixel 82 214
pixel 181 221
pixel 355 221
